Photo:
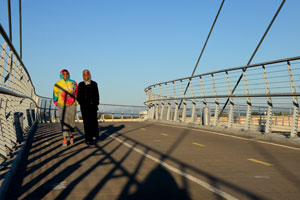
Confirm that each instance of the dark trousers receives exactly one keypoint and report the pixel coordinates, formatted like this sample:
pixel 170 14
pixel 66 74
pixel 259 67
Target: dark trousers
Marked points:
pixel 90 122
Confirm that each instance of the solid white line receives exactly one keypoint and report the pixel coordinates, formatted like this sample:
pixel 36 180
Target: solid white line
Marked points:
pixel 236 137
pixel 188 176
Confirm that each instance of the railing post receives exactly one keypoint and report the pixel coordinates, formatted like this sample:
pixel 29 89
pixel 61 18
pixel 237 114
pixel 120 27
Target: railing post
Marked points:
pixel 156 105
pixel 176 104
pixel 216 117
pixel 50 116
pixel 8 70
pixel 169 104
pixel 9 122
pixel 205 119
pixel 249 105
pixel 194 116
pixel 12 83
pixel 2 61
pixel 184 103
pixel 162 105
pixel 268 126
pixel 294 128
pixel 2 138
pixel 231 112
pixel 45 117
pixel 40 110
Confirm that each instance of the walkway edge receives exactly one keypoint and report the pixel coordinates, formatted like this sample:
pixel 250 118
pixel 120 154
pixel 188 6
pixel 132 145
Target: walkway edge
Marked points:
pixel 9 175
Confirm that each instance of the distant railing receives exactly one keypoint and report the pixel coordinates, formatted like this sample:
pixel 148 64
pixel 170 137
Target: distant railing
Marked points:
pixel 265 100
pixel 114 112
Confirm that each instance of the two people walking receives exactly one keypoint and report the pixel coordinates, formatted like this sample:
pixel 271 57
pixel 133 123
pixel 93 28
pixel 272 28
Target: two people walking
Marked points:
pixel 66 96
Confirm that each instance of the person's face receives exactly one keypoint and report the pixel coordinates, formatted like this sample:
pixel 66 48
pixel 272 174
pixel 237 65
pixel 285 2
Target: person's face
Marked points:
pixel 86 75
pixel 65 75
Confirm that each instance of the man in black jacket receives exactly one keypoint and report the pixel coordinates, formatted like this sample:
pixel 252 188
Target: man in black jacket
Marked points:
pixel 88 98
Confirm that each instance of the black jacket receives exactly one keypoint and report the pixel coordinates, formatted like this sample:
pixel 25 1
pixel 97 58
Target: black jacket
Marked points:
pixel 88 95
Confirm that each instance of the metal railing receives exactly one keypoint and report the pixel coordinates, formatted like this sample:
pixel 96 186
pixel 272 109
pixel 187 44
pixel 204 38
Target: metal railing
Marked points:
pixel 265 100
pixel 20 106
pixel 114 112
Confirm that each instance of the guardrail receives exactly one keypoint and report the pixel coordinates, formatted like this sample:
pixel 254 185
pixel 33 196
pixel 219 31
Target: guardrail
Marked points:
pixel 265 100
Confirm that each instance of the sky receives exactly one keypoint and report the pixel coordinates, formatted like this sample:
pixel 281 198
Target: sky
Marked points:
pixel 129 45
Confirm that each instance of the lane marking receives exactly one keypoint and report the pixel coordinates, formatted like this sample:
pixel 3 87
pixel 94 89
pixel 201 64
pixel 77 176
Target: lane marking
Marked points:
pixel 164 134
pixel 237 137
pixel 260 162
pixel 262 177
pixel 177 171
pixel 201 145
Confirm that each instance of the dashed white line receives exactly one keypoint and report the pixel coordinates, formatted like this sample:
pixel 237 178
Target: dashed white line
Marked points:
pixel 232 136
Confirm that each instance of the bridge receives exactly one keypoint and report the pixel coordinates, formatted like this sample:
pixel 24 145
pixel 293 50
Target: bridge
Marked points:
pixel 197 137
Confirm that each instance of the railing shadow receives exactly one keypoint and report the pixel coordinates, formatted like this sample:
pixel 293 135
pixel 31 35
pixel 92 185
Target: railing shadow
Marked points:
pixel 158 183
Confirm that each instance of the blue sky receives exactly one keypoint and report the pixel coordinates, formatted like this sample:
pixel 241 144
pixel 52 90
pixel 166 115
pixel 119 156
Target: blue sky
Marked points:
pixel 128 45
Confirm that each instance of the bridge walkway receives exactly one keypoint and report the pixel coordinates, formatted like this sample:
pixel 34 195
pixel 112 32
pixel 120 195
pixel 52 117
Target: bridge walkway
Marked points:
pixel 143 160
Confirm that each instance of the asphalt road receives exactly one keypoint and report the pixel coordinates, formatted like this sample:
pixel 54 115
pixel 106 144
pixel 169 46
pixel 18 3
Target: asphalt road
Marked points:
pixel 143 160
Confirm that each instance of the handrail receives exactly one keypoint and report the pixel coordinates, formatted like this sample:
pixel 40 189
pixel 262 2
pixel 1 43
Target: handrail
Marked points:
pixel 228 96
pixel 226 70
pixel 7 40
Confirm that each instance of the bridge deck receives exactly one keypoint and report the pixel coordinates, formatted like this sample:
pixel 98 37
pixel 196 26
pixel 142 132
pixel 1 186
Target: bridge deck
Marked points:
pixel 135 160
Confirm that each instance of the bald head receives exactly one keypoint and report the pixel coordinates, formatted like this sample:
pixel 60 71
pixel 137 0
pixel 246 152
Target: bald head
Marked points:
pixel 86 75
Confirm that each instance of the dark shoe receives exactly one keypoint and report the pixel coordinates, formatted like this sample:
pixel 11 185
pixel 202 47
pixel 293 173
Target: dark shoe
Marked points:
pixel 96 137
pixel 89 143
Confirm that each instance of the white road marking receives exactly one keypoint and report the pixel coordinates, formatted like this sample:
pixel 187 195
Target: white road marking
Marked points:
pixel 260 162
pixel 59 186
pixel 201 145
pixel 177 171
pixel 262 177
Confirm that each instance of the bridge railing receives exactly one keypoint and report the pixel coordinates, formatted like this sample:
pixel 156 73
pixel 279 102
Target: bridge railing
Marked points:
pixel 115 112
pixel 20 106
pixel 265 100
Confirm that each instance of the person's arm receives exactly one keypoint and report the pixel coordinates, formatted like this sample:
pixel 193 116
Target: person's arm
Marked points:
pixel 97 94
pixel 79 94
pixel 55 95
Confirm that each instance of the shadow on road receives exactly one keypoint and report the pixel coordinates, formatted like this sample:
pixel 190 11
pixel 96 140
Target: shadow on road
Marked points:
pixel 157 184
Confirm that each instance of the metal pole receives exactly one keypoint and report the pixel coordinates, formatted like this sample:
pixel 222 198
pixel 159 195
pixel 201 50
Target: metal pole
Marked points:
pixel 250 60
pixel 9 20
pixel 211 29
pixel 20 19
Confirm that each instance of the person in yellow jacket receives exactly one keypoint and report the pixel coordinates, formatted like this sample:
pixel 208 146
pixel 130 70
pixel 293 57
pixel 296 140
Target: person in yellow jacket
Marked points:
pixel 64 97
